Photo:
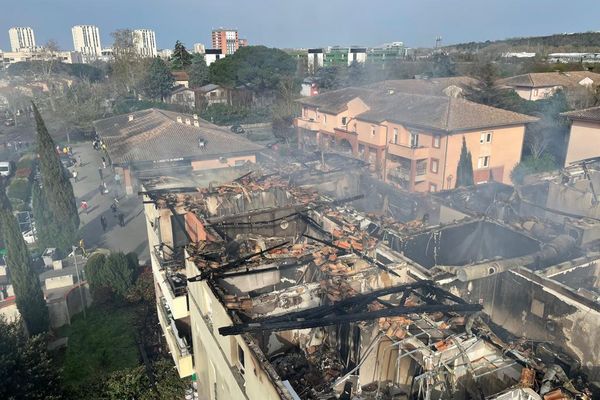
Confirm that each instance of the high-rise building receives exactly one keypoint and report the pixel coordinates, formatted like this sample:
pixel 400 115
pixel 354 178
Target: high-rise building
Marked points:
pixel 21 39
pixel 86 40
pixel 144 41
pixel 199 48
pixel 243 42
pixel 225 39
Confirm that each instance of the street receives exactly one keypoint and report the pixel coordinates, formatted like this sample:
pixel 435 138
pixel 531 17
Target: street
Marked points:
pixel 130 238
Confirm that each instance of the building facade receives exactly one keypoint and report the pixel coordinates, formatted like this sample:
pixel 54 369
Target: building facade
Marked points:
pixel 584 135
pixel 212 55
pixel 144 41
pixel 67 57
pixel 86 40
pixel 22 39
pixel 199 48
pixel 414 141
pixel 225 39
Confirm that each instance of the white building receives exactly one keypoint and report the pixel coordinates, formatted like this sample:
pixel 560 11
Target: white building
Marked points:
pixel 212 55
pixel 21 39
pixel 315 60
pixel 86 40
pixel 165 54
pixel 144 41
pixel 199 48
pixel 67 57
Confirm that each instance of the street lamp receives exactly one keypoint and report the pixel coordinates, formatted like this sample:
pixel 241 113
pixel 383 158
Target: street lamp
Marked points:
pixel 78 280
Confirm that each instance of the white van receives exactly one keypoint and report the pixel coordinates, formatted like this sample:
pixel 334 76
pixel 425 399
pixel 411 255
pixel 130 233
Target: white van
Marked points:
pixel 4 168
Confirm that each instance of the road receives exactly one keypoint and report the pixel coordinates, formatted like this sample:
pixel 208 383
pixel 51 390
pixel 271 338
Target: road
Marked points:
pixel 131 237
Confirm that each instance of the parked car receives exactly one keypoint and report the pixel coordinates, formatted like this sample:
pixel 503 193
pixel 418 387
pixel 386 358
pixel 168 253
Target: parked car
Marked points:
pixel 5 168
pixel 237 129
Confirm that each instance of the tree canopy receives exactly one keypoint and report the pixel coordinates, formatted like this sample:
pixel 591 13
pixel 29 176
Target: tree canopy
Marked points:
pixel 464 170
pixel 158 80
pixel 181 58
pixel 28 291
pixel 258 68
pixel 116 273
pixel 26 370
pixel 57 191
pixel 198 72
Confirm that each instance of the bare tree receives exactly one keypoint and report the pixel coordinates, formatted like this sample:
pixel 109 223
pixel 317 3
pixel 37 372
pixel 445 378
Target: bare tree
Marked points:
pixel 127 66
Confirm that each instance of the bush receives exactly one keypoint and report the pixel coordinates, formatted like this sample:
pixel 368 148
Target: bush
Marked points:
pixel 530 165
pixel 113 274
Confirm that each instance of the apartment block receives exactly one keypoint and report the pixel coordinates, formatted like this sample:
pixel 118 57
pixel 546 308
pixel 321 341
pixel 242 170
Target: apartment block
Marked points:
pixel 22 39
pixel 212 55
pixel 225 39
pixel 144 41
pixel 414 141
pixel 86 40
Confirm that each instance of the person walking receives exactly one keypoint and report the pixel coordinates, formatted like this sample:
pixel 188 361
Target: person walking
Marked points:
pixel 121 219
pixel 85 206
pixel 103 222
pixel 101 189
pixel 100 173
pixel 103 163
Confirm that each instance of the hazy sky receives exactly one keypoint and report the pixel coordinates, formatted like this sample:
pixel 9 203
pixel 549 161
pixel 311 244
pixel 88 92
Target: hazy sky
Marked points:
pixel 304 23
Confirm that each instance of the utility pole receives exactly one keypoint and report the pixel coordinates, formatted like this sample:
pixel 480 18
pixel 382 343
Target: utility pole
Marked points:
pixel 83 304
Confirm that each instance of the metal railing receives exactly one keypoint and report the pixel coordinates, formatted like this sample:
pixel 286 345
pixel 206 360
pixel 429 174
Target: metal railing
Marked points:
pixel 182 345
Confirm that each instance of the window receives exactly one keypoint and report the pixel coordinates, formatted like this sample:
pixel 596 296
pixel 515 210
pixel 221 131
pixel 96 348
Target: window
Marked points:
pixel 344 121
pixel 414 139
pixel 395 136
pixel 325 118
pixel 432 187
pixel 483 162
pixel 241 361
pixel 486 137
pixel 372 130
pixel 434 165
pixel 436 141
pixel 537 308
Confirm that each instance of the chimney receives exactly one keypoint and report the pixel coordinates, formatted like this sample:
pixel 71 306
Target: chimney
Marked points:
pixel 188 121
pixel 195 116
pixel 201 143
pixel 179 119
pixel 391 91
pixel 197 124
pixel 130 118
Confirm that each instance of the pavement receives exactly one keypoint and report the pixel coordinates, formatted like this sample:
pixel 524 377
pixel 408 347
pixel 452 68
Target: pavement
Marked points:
pixel 130 238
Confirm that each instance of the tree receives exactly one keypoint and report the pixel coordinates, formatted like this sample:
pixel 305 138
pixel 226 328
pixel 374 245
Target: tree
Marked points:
pixel 28 291
pixel 116 273
pixel 198 71
pixel 57 190
pixel 26 370
pixel 181 58
pixel 332 77
pixel 46 230
pixel 464 171
pixel 442 66
pixel 127 66
pixel 258 68
pixel 158 80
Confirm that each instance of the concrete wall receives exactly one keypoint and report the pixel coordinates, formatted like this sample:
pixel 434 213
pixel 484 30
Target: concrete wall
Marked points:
pixel 540 309
pixel 217 358
pixel 581 139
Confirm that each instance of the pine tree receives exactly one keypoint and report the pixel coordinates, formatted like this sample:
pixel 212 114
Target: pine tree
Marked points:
pixel 28 291
pixel 181 58
pixel 57 192
pixel 464 171
pixel 158 80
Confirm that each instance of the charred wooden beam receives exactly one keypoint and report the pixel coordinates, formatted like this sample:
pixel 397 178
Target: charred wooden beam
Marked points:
pixel 266 325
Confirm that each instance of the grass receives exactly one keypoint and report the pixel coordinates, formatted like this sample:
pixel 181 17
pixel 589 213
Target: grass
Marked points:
pixel 101 343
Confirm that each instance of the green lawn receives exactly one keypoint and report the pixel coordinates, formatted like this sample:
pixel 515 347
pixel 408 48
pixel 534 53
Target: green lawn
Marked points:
pixel 101 343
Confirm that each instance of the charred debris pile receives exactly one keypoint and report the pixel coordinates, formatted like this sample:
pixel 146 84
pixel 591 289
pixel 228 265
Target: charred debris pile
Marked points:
pixel 340 303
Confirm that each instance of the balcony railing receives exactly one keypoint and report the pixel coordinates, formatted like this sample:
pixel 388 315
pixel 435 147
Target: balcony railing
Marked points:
pixel 182 345
pixel 169 258
pixel 410 152
pixel 309 124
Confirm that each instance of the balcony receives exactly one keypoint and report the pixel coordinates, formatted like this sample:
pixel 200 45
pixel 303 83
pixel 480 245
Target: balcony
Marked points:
pixel 178 335
pixel 308 124
pixel 412 153
pixel 172 280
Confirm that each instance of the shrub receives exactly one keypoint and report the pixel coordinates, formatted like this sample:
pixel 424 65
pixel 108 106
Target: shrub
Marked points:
pixel 530 165
pixel 19 189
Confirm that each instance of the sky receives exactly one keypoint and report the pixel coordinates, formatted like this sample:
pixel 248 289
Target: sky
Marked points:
pixel 304 23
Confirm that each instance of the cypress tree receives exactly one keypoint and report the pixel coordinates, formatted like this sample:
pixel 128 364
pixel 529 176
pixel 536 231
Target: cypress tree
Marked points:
pixel 28 291
pixel 464 171
pixel 57 192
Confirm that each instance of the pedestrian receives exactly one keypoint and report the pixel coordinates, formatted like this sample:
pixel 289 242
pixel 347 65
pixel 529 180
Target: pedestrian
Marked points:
pixel 101 189
pixel 79 161
pixel 100 173
pixel 121 219
pixel 113 207
pixel 85 206
pixel 103 222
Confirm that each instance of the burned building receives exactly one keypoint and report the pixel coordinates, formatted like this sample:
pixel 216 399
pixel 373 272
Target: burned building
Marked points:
pixel 286 292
